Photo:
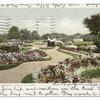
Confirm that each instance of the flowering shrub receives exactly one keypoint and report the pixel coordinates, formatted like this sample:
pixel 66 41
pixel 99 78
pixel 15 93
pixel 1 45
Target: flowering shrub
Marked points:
pixel 8 60
pixel 11 59
pixel 35 55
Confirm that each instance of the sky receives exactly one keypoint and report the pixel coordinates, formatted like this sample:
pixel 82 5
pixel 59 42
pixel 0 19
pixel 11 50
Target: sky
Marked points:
pixel 61 20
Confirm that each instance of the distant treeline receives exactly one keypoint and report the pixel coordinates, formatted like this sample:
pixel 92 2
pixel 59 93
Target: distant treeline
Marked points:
pixel 24 34
pixel 64 37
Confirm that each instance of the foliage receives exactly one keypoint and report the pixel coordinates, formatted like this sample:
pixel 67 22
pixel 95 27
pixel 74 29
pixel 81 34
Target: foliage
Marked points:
pixel 13 33
pixel 4 67
pixel 61 36
pixel 75 55
pixel 24 50
pixel 1 38
pixel 24 34
pixel 45 36
pixel 93 24
pixel 35 35
pixel 90 73
pixel 89 37
pixel 83 43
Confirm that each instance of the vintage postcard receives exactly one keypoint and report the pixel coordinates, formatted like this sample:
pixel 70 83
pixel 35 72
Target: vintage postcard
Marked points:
pixel 50 49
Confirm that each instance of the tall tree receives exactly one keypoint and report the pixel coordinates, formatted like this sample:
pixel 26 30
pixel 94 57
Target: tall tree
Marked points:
pixel 45 36
pixel 13 33
pixel 93 24
pixel 24 34
pixel 35 35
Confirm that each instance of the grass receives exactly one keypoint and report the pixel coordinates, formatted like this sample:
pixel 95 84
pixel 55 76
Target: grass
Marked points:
pixel 4 67
pixel 24 50
pixel 89 73
pixel 39 42
pixel 28 79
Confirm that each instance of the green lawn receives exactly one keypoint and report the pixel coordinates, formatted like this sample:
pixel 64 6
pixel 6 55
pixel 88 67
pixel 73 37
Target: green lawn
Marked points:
pixel 28 79
pixel 88 73
pixel 24 50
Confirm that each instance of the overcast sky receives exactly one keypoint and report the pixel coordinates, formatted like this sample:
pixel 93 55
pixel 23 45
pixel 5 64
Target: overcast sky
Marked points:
pixel 67 20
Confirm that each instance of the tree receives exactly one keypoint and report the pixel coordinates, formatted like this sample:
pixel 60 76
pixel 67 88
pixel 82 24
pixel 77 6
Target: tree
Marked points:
pixel 93 24
pixel 13 33
pixel 24 34
pixel 45 36
pixel 35 35
pixel 1 38
pixel 89 37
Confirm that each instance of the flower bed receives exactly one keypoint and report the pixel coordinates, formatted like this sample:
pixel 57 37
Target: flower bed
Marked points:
pixel 13 59
pixel 9 60
pixel 10 47
pixel 36 55
pixel 73 54
pixel 64 72
pixel 59 73
pixel 8 66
